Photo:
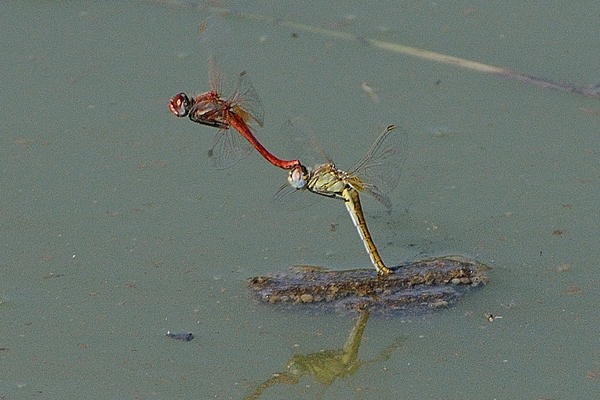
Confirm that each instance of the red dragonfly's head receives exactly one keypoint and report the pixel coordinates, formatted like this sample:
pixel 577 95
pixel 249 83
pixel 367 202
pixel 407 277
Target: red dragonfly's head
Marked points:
pixel 180 104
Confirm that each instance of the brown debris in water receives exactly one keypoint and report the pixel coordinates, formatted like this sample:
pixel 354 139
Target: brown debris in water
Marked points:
pixel 423 285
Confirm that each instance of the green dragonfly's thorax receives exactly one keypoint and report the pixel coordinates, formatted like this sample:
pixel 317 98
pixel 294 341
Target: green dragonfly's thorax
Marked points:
pixel 327 180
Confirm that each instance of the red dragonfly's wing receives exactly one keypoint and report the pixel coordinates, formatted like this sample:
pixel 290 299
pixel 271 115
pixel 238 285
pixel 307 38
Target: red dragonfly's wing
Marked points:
pixel 247 100
pixel 229 147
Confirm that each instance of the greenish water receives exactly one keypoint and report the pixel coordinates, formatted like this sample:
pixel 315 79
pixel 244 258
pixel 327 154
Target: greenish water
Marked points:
pixel 116 229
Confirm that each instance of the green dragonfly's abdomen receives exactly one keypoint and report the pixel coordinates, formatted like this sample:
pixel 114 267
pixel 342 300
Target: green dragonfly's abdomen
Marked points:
pixel 352 202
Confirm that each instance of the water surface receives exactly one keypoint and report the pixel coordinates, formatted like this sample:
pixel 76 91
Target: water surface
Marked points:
pixel 116 229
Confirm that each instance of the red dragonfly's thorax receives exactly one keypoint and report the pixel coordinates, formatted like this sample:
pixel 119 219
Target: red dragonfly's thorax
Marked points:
pixel 211 111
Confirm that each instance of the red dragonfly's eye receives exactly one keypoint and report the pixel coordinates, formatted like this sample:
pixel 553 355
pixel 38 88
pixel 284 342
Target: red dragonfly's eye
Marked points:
pixel 179 105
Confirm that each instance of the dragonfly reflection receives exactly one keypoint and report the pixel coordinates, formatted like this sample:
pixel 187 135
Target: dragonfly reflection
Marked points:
pixel 328 366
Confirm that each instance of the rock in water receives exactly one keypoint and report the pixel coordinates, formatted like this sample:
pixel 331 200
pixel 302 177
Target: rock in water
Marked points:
pixel 412 288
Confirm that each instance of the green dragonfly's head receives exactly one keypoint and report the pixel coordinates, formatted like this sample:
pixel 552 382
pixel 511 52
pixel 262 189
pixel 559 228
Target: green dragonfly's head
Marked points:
pixel 299 177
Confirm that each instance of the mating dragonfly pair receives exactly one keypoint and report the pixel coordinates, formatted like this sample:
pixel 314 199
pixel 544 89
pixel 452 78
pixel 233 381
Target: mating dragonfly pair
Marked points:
pixel 381 163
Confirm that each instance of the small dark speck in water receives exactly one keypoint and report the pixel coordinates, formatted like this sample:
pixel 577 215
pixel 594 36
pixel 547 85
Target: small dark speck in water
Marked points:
pixel 183 336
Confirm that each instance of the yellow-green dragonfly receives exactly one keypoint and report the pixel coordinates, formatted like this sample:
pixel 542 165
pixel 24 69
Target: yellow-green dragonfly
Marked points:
pixel 381 164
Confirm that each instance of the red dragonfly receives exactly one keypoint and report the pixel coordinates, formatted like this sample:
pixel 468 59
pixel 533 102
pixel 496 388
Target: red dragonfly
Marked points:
pixel 240 110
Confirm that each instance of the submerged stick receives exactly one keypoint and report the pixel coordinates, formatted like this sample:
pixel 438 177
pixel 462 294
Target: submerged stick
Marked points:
pixel 591 91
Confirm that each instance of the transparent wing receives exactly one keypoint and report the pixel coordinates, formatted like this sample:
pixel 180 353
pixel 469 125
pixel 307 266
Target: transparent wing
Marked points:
pixel 229 147
pixel 214 78
pixel 246 98
pixel 380 168
pixel 377 194
pixel 212 33
pixel 301 143
pixel 288 198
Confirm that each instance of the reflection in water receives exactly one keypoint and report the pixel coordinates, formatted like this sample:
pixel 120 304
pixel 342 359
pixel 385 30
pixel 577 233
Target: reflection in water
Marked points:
pixel 327 366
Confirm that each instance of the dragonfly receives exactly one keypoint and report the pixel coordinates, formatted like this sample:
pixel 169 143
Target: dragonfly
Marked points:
pixel 381 163
pixel 240 110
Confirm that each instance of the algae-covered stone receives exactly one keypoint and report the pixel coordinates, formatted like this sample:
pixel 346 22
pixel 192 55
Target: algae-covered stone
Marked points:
pixel 412 288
